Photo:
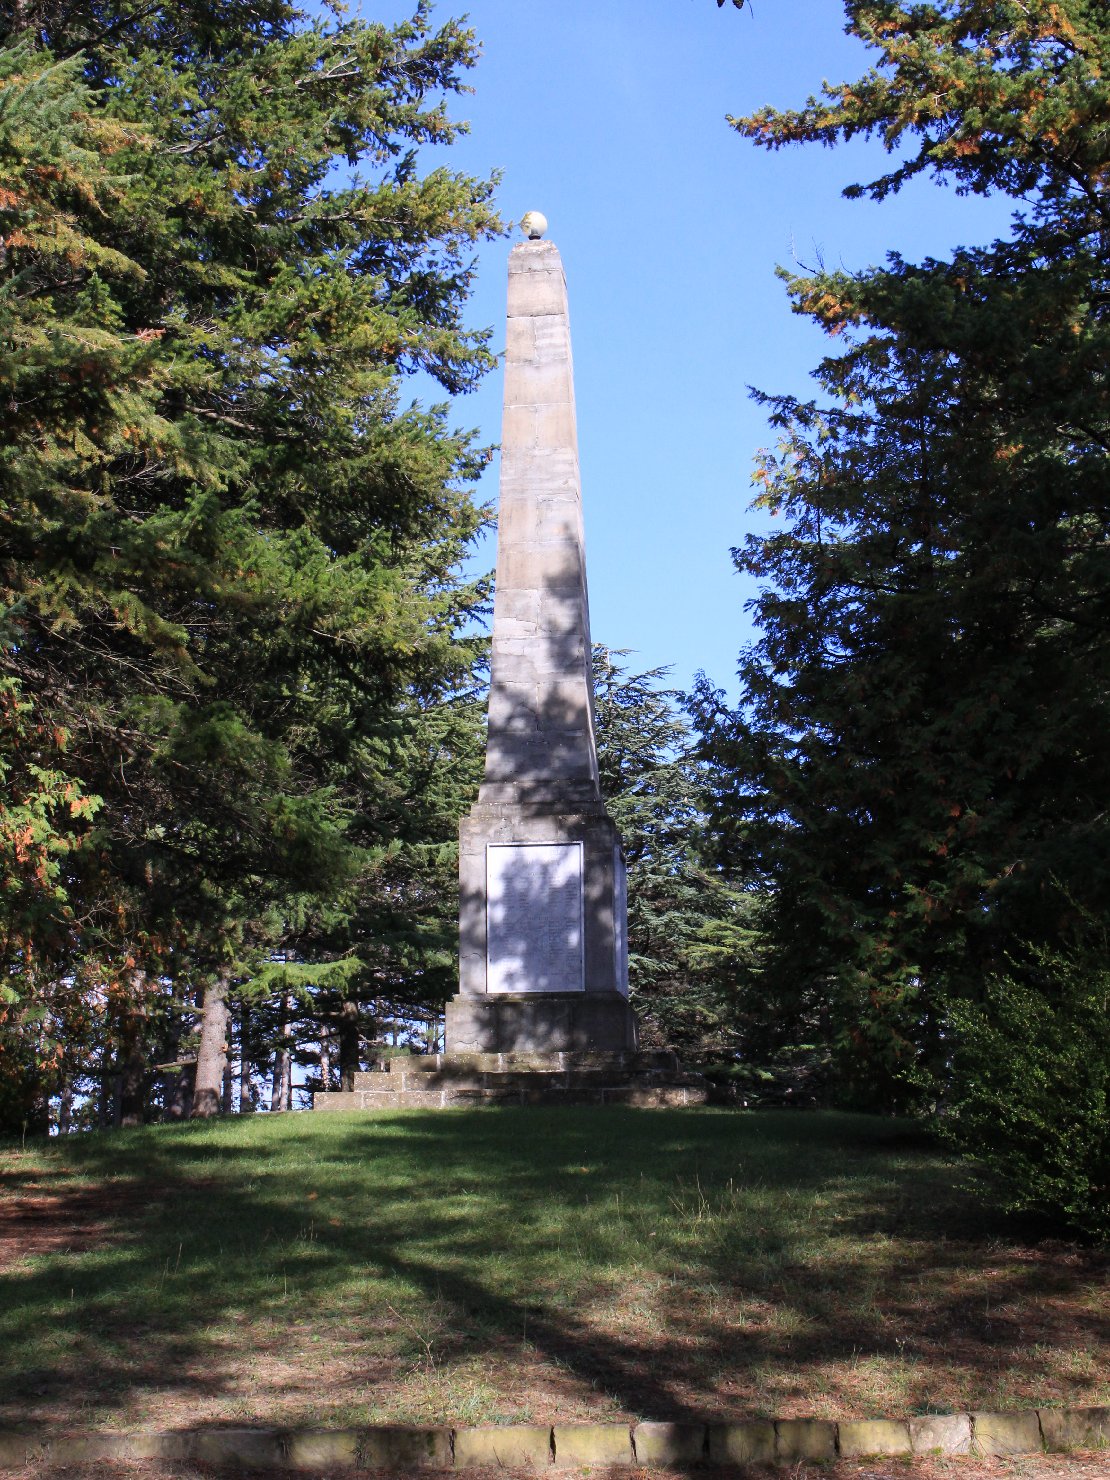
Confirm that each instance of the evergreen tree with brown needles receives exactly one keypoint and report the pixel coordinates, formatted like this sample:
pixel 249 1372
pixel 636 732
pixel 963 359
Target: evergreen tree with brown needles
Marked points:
pixel 229 548
pixel 920 768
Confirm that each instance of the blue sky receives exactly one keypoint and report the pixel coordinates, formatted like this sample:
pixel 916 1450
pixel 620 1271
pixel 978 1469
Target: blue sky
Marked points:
pixel 609 116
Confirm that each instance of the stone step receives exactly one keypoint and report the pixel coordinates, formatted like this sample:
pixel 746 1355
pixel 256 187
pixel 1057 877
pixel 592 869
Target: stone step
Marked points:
pixel 436 1081
pixel 456 1078
pixel 645 1093
pixel 650 1060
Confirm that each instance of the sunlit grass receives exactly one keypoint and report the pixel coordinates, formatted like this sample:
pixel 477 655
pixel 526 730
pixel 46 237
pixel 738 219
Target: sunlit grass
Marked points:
pixel 522 1264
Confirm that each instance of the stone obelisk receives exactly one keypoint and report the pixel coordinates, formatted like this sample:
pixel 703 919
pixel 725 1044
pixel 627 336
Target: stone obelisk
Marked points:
pixel 543 956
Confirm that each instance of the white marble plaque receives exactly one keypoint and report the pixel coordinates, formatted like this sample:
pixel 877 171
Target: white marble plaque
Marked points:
pixel 534 917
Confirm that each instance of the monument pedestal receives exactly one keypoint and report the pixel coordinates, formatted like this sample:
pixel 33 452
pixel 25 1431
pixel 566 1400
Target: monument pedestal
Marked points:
pixel 543 963
pixel 570 1023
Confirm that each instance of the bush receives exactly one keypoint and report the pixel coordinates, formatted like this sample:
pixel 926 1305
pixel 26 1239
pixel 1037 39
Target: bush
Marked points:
pixel 1030 1093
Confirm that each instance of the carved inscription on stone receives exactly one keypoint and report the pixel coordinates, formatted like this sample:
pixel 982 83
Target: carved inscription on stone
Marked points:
pixel 534 917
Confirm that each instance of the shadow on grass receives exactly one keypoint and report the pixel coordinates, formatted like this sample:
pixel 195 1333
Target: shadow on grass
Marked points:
pixel 645 1256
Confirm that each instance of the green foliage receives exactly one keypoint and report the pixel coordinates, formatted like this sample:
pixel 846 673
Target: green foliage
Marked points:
pixel 231 549
pixel 693 932
pixel 1030 1093
pixel 921 758
pixel 386 945
pixel 41 812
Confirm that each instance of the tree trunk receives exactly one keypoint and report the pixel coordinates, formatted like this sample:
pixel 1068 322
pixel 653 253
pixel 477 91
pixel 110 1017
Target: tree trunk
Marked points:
pixel 287 1080
pixel 179 1100
pixel 246 1085
pixel 281 1094
pixel 229 1072
pixel 176 1081
pixel 65 1109
pixel 132 1092
pixel 210 1055
pixel 348 1045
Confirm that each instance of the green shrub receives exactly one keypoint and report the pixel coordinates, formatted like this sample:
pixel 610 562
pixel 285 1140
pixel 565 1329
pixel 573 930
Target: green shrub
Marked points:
pixel 1030 1094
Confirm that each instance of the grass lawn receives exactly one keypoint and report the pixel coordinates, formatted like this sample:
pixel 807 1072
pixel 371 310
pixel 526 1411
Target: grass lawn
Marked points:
pixel 525 1265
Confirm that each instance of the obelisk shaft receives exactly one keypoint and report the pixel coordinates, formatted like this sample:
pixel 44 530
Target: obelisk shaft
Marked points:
pixel 542 956
pixel 541 727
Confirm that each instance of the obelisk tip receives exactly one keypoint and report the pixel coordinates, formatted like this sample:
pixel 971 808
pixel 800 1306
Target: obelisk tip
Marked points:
pixel 533 224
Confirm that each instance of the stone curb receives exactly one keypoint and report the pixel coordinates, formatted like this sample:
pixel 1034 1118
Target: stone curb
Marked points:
pixel 571 1446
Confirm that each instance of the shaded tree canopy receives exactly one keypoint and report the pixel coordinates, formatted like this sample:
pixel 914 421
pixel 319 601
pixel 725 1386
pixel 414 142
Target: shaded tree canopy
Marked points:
pixel 919 769
pixel 229 547
pixel 694 933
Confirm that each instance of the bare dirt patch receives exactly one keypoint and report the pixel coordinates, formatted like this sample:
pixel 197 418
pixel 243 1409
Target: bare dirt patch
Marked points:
pixel 44 1219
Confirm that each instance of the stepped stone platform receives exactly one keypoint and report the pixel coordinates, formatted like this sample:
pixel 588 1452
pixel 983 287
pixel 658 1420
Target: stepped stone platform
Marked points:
pixel 437 1081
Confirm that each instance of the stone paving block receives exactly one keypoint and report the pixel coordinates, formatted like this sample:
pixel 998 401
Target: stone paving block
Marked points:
pixel 592 1444
pixel 1074 1428
pixel 541 1079
pixel 514 1445
pixel 645 1097
pixel 321 1449
pixel 751 1443
pixel 545 1095
pixel 402 1099
pixel 481 1097
pixel 578 1097
pixel 622 1094
pixel 804 1439
pixel 253 1449
pixel 17 1446
pixel 397 1447
pixel 669 1443
pixel 873 1436
pixel 941 1433
pixel 602 1078
pixel 421 1099
pixel 167 1446
pixel 1006 1433
pixel 605 1059
pixel 89 1449
pixel 337 1100
pixel 436 1079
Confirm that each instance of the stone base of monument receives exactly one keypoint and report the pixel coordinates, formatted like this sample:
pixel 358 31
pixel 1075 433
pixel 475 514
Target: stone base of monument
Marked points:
pixel 541 1022
pixel 437 1081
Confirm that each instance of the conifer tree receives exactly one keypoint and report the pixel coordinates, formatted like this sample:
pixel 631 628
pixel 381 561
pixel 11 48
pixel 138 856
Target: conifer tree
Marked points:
pixel 56 186
pixel 230 547
pixel 693 932
pixel 921 770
